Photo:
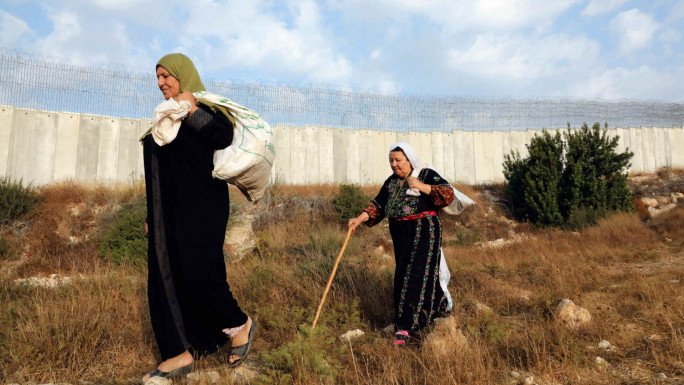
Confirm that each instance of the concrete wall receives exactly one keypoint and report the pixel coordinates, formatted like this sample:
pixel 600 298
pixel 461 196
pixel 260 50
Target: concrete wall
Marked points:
pixel 42 147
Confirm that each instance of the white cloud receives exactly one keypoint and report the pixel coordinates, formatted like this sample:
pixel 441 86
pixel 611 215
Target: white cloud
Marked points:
pixel 598 7
pixel 641 83
pixel 458 16
pixel 12 29
pixel 635 30
pixel 523 58
pixel 117 4
pixel 66 27
pixel 258 40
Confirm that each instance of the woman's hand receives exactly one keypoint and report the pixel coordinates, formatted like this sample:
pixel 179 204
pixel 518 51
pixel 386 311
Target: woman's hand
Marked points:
pixel 357 221
pixel 413 182
pixel 187 95
pixel 147 229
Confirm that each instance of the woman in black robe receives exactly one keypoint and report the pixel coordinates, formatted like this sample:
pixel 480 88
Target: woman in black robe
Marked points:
pixel 192 309
pixel 411 203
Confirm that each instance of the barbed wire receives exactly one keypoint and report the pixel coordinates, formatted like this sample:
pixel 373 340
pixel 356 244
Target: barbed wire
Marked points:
pixel 40 83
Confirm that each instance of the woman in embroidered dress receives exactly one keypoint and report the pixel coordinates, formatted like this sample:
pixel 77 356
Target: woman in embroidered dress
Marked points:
pixel 192 309
pixel 411 204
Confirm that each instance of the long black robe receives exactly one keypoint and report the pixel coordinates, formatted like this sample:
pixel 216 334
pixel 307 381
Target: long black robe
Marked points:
pixel 417 239
pixel 189 298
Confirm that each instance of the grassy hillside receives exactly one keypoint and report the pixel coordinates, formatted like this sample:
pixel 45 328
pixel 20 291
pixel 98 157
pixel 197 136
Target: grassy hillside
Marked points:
pixel 507 280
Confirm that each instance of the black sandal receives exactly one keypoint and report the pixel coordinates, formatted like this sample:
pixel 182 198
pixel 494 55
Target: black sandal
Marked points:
pixel 242 351
pixel 178 373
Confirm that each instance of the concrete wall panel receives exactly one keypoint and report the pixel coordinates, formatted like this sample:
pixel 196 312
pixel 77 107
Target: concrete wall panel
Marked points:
pixel 379 163
pixel 32 146
pixel 425 150
pixel 487 148
pixel 340 144
pixel 43 153
pixel 449 168
pixel 352 160
pixel 663 151
pixel 366 157
pixel 624 142
pixel 325 154
pixel 677 146
pixel 312 166
pixel 638 158
pixel 66 147
pixel 127 166
pixel 648 147
pixel 108 149
pixel 298 156
pixel 282 155
pixel 464 157
pixel 20 145
pixel 495 148
pixel 437 150
pixel 6 116
pixel 88 148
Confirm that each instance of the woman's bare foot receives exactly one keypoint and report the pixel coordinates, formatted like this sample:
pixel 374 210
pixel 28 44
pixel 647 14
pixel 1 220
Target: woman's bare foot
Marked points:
pixel 172 364
pixel 240 339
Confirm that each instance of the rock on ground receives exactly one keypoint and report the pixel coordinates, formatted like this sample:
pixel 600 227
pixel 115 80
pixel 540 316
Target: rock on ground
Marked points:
pixel 446 337
pixel 240 238
pixel 352 335
pixel 571 315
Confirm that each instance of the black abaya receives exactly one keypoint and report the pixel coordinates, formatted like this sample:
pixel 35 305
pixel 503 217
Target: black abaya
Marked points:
pixel 189 298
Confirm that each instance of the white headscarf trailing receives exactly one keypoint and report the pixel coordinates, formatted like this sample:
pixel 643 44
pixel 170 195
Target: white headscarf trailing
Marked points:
pixel 412 157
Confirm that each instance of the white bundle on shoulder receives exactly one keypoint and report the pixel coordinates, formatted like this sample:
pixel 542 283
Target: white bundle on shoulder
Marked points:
pixel 247 162
pixel 166 120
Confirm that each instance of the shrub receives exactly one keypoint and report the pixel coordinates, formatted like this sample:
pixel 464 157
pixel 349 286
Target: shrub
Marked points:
pixel 349 202
pixel 533 182
pixel 16 200
pixel 306 358
pixel 125 241
pixel 572 182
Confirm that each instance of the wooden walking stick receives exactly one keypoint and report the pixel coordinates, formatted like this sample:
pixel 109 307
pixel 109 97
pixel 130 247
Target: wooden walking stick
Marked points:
pixel 332 275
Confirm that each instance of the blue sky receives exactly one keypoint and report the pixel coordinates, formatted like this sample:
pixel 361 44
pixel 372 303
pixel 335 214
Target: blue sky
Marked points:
pixel 596 49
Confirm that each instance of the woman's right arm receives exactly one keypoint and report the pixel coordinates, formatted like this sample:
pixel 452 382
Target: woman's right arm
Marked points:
pixel 374 213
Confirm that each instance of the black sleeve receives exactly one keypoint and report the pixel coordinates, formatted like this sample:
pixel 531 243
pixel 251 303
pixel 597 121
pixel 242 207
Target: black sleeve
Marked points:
pixel 213 126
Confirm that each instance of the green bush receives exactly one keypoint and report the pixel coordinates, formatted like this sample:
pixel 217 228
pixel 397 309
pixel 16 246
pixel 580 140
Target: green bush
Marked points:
pixel 16 200
pixel 568 183
pixel 125 241
pixel 307 357
pixel 349 202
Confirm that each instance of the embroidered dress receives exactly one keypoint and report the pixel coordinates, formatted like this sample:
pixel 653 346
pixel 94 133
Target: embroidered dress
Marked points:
pixel 417 236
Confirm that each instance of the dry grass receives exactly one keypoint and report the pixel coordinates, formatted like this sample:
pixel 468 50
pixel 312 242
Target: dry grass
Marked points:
pixel 628 273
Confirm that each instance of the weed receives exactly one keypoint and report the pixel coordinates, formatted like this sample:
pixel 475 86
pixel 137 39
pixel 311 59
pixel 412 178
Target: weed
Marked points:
pixel 125 241
pixel 349 202
pixel 16 199
pixel 307 358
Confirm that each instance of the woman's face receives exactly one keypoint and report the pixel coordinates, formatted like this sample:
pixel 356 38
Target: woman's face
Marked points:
pixel 168 85
pixel 400 164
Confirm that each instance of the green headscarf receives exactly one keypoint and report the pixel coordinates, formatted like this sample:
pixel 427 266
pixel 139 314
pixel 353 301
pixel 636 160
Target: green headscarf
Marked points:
pixel 182 68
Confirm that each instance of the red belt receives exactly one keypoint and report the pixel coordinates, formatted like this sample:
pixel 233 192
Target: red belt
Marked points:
pixel 417 216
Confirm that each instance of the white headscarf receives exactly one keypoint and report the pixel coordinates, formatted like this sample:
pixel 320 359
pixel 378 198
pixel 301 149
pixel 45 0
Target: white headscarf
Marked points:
pixel 413 159
pixel 410 153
